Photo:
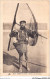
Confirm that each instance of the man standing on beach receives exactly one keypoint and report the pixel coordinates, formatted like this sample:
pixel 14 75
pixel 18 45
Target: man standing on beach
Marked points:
pixel 21 45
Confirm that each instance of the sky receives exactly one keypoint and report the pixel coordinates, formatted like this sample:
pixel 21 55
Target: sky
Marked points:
pixel 40 10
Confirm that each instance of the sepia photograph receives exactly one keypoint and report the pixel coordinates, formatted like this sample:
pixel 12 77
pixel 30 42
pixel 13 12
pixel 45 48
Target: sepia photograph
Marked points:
pixel 25 36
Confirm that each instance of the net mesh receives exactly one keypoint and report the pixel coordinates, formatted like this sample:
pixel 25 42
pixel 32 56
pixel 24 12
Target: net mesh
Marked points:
pixel 23 13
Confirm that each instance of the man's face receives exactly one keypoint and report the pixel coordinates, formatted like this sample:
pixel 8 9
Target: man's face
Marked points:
pixel 23 24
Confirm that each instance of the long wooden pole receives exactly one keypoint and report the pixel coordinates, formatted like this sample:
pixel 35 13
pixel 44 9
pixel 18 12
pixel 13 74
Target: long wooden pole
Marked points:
pixel 14 21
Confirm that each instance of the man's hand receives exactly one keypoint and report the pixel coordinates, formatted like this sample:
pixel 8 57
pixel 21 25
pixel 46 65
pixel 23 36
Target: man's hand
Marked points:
pixel 13 34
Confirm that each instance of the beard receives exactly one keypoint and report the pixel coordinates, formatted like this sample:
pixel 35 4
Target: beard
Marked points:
pixel 22 28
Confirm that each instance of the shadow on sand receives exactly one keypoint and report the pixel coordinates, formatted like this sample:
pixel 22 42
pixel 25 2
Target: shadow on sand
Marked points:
pixel 11 60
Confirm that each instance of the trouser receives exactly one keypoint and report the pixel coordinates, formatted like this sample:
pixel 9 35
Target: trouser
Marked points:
pixel 21 59
pixel 22 49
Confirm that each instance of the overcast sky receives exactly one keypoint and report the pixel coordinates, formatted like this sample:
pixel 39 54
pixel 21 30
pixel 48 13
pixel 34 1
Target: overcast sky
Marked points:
pixel 39 8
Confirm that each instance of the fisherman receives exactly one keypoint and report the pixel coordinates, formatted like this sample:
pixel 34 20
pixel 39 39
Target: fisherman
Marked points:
pixel 21 45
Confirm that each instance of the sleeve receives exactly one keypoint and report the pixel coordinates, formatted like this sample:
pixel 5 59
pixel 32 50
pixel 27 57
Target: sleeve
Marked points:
pixel 26 33
pixel 17 36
